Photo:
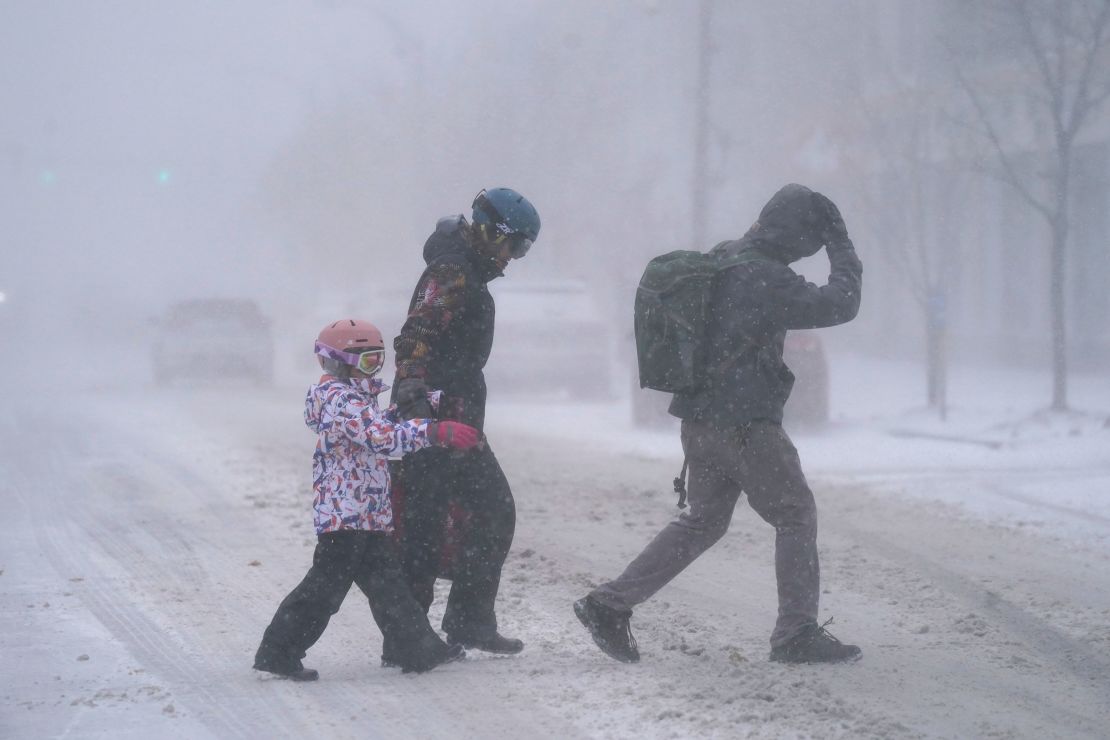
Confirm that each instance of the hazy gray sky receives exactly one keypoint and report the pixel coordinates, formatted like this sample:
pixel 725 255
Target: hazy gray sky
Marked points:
pixel 152 151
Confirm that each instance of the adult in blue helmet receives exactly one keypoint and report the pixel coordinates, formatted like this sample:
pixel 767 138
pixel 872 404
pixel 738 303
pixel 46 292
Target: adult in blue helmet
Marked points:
pixel 444 344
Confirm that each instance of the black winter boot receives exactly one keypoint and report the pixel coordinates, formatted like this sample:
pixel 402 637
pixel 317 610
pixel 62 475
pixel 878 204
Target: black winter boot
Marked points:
pixel 439 656
pixel 609 628
pixel 282 664
pixel 390 658
pixel 815 645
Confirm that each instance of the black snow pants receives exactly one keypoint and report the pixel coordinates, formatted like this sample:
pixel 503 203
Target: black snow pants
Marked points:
pixel 369 560
pixel 433 478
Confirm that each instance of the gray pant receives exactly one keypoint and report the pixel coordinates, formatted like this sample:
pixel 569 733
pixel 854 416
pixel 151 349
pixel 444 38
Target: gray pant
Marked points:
pixel 760 460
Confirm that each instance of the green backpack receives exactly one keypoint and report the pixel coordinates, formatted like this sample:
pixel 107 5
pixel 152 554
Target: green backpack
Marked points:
pixel 672 315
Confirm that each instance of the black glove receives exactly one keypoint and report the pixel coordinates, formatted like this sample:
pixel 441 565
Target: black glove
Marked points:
pixel 412 399
pixel 835 232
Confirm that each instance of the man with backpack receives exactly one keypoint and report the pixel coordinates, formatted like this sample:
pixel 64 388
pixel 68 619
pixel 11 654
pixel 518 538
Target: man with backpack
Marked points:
pixel 730 386
pixel 444 344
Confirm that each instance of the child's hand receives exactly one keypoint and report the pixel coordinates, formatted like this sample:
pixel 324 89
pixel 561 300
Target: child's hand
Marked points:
pixel 453 434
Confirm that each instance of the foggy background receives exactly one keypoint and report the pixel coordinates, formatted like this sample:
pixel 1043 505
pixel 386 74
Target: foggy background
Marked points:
pixel 299 153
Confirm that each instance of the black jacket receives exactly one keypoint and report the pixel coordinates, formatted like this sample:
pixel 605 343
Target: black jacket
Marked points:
pixel 754 305
pixel 448 335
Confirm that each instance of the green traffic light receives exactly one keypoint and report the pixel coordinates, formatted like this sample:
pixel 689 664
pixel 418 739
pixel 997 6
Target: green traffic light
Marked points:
pixel 47 177
pixel 163 176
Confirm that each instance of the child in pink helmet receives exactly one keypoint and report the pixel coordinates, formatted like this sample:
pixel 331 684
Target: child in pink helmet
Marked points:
pixel 353 515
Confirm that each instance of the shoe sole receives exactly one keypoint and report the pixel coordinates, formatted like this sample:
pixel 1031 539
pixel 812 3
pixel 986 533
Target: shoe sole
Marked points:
pixel 493 652
pixel 451 659
pixel 853 659
pixel 455 658
pixel 580 612
pixel 473 646
pixel 302 676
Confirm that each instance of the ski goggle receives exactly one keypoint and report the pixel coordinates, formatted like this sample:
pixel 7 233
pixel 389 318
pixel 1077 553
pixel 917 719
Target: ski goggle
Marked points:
pixel 369 361
pixel 519 245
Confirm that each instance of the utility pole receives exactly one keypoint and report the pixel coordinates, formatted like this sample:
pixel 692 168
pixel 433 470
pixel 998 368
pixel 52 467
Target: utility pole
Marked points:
pixel 701 125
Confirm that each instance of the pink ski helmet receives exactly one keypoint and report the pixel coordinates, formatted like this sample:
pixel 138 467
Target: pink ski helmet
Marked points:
pixel 350 343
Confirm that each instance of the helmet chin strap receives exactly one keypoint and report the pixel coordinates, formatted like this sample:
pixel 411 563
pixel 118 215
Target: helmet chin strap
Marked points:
pixel 481 241
pixel 485 248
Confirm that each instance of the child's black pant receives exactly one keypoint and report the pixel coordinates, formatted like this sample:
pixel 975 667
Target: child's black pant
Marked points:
pixel 368 560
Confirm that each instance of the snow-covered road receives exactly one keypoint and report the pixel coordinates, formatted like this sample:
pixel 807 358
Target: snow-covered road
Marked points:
pixel 146 542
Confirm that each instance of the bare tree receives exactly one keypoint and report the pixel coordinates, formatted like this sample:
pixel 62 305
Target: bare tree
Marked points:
pixel 1056 60
pixel 909 186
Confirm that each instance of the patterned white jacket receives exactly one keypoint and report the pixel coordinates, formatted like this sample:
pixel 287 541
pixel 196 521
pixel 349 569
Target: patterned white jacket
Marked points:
pixel 350 468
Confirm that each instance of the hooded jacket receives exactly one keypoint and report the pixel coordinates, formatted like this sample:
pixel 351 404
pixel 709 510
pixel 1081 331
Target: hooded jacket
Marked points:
pixel 757 302
pixel 350 471
pixel 448 335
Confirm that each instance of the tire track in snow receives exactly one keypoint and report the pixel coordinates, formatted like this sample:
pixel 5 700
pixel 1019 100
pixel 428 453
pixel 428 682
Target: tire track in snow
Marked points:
pixel 1087 517
pixel 1068 654
pixel 92 534
pixel 71 547
pixel 446 698
pixel 260 708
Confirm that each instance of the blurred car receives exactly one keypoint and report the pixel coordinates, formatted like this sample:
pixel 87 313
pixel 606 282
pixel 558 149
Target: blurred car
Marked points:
pixel 211 339
pixel 807 407
pixel 550 337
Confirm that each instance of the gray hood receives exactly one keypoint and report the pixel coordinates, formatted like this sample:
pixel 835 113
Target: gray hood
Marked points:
pixel 790 225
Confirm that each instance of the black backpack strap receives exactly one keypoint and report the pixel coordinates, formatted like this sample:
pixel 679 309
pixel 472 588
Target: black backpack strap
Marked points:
pixel 680 485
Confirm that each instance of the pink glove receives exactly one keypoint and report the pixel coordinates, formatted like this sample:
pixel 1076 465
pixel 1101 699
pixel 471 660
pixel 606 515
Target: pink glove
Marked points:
pixel 453 434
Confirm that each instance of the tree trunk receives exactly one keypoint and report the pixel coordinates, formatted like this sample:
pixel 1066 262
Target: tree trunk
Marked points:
pixel 1057 293
pixel 938 372
pixel 936 361
pixel 1058 308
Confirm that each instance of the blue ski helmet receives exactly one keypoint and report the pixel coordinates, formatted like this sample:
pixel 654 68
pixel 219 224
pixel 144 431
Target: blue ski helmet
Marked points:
pixel 507 212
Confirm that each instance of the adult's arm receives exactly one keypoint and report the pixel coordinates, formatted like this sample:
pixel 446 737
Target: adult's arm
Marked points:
pixel 795 303
pixel 440 298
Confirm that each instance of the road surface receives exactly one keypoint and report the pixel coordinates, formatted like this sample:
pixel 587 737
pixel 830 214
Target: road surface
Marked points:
pixel 148 537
